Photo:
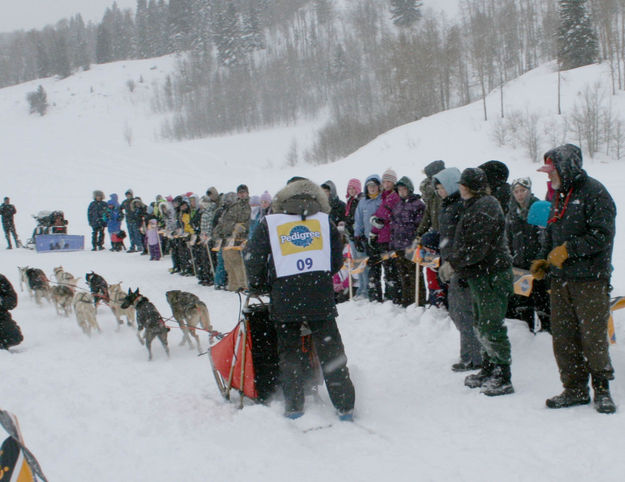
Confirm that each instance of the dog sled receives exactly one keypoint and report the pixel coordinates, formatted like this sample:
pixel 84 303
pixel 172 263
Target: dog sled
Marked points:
pixel 246 359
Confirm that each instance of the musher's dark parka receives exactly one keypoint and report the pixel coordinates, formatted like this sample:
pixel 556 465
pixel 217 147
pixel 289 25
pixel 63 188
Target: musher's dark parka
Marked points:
pixel 302 297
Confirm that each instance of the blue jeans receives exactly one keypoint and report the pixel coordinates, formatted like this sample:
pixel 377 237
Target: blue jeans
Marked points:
pixel 363 278
pixel 220 271
pixel 136 238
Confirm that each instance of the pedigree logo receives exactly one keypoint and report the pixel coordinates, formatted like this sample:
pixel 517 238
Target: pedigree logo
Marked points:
pixel 300 236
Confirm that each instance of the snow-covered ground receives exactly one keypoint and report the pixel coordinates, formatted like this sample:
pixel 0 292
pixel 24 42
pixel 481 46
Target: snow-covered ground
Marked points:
pixel 96 409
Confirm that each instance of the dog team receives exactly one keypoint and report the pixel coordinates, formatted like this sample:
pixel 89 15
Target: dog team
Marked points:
pixel 64 293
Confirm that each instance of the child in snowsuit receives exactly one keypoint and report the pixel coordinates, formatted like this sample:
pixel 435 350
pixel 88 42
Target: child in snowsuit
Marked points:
pixel 153 240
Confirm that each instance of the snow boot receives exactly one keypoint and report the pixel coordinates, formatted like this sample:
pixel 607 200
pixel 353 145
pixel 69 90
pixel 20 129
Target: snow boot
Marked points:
pixel 293 414
pixel 478 379
pixel 498 383
pixel 569 398
pixel 465 366
pixel 603 399
pixel 346 416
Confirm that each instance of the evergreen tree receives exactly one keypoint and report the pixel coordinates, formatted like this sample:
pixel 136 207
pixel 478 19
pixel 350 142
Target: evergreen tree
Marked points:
pixel 252 36
pixel 141 27
pixel 405 13
pixel 227 34
pixel 38 101
pixel 577 42
pixel 179 24
pixel 103 48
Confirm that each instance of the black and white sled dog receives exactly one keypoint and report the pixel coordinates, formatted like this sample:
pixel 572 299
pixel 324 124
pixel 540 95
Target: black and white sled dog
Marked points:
pixel 99 287
pixel 148 319
pixel 36 281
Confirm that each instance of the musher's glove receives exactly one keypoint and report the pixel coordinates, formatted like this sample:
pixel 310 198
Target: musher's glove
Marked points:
pixel 539 268
pixel 558 256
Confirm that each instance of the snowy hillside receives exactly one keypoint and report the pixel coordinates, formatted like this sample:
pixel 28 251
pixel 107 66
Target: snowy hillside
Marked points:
pixel 95 409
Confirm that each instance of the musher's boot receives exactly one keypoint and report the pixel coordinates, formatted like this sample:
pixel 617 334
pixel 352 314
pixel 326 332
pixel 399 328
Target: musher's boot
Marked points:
pixel 478 379
pixel 569 398
pixel 498 383
pixel 603 399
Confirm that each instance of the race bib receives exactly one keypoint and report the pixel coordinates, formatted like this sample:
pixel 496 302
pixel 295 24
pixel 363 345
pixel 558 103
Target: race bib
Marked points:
pixel 299 246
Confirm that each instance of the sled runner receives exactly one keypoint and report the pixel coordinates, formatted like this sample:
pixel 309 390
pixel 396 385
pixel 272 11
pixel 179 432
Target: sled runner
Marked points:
pixel 246 359
pixel 17 463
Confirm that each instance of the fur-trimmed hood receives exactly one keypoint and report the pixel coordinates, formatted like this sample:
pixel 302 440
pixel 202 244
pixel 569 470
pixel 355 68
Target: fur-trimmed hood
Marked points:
pixel 302 197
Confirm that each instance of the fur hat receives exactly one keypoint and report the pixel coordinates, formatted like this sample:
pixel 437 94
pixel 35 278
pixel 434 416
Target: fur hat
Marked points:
pixel 301 197
pixel 434 168
pixel 212 192
pixel 98 194
pixel 389 175
pixel 129 192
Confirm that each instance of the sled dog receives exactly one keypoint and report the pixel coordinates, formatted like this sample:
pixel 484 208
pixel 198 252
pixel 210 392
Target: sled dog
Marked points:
pixel 63 278
pixel 38 284
pixel 84 309
pixel 98 286
pixel 148 319
pixel 62 297
pixel 190 313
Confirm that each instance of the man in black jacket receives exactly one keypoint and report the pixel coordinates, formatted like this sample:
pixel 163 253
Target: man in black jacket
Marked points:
pixel 7 212
pixel 577 253
pixel 10 333
pixel 480 256
pixel 97 215
pixel 293 254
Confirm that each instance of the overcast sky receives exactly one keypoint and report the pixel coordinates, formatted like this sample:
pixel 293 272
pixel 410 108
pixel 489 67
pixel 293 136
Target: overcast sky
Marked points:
pixel 27 14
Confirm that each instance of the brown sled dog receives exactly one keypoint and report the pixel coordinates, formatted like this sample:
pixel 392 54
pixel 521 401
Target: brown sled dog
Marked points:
pixel 189 312
pixel 63 278
pixel 116 298
pixel 84 309
pixel 148 318
pixel 62 297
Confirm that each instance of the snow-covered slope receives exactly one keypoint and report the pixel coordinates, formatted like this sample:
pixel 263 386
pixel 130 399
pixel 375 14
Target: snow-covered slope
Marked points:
pixel 95 409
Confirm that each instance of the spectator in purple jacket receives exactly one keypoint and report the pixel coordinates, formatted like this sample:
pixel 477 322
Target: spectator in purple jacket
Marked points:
pixel 405 218
pixel 380 237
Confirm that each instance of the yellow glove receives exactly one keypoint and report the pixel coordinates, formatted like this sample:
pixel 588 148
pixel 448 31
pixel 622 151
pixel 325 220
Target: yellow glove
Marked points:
pixel 539 268
pixel 558 256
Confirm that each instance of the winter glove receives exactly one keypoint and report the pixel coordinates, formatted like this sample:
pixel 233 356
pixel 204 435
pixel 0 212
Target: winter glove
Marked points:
pixel 445 272
pixel 359 242
pixel 558 256
pixel 377 222
pixel 539 268
pixel 373 240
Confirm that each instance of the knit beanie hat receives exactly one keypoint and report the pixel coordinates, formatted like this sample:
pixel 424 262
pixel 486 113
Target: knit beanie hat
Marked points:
pixel 265 197
pixel 255 200
pixel 389 175
pixel 355 183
